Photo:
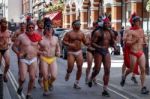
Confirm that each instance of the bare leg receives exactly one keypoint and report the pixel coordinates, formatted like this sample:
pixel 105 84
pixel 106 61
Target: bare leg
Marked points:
pixel 53 73
pixel 107 65
pixel 71 60
pixel 44 71
pixel 32 72
pixel 22 76
pixel 97 67
pixel 89 65
pixel 142 62
pixel 7 64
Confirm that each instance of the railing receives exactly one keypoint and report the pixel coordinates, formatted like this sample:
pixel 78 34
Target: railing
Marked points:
pixel 1 84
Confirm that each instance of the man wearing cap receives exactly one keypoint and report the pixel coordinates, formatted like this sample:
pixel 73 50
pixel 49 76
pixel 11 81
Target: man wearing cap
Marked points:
pixel 136 41
pixel 5 41
pixel 102 39
pixel 73 40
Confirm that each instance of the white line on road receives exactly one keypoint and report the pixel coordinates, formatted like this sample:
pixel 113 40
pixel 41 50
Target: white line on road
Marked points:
pixel 125 97
pixel 13 82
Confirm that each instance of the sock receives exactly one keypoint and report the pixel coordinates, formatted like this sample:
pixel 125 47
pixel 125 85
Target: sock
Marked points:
pixel 45 82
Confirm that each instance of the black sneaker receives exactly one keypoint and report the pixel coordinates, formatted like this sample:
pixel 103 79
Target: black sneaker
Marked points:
pixel 134 80
pixel 28 97
pixel 46 93
pixel 90 83
pixel 51 87
pixel 5 79
pixel 76 86
pixel 105 93
pixel 122 83
pixel 19 91
pixel 144 90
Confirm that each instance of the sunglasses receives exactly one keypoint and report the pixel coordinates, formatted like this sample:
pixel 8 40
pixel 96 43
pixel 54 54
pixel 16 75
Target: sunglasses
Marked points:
pixel 31 27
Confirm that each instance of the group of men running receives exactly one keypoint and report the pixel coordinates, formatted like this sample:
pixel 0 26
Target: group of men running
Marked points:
pixel 37 50
pixel 34 49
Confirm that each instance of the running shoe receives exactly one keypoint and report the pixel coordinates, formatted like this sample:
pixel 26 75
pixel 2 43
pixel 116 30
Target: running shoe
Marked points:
pixel 90 83
pixel 28 97
pixel 134 79
pixel 76 86
pixel 46 93
pixel 105 93
pixel 67 76
pixel 122 83
pixel 144 90
pixel 19 91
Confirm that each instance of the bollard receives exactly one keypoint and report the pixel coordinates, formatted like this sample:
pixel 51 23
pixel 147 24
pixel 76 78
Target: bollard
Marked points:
pixel 1 85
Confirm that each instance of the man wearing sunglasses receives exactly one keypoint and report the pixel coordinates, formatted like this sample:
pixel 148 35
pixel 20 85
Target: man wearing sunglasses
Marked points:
pixel 27 54
pixel 73 40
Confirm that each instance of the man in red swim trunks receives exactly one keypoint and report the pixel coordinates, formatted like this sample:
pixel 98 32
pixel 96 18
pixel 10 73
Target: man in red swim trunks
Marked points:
pixel 136 40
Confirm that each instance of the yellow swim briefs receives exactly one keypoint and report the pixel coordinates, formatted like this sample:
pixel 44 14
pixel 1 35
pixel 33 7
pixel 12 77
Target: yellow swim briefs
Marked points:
pixel 48 60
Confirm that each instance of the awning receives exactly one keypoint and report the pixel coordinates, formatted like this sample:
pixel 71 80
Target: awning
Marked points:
pixel 54 15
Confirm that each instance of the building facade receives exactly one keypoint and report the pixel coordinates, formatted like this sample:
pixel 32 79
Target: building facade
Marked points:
pixel 4 9
pixel 88 11
pixel 14 10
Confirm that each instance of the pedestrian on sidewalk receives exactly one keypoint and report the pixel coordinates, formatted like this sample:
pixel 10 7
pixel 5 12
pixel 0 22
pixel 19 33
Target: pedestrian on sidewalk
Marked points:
pixel 73 40
pixel 136 40
pixel 5 42
pixel 102 39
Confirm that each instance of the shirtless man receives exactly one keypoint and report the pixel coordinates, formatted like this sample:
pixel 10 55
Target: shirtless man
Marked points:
pixel 102 39
pixel 90 54
pixel 126 50
pixel 50 49
pixel 136 41
pixel 20 31
pixel 73 41
pixel 5 42
pixel 40 26
pixel 27 53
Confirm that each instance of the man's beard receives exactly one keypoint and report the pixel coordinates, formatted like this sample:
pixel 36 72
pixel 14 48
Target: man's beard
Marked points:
pixel 76 28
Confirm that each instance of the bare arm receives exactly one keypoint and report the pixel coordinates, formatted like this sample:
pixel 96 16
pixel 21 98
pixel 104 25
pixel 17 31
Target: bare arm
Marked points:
pixel 57 48
pixel 15 46
pixel 85 40
pixel 94 39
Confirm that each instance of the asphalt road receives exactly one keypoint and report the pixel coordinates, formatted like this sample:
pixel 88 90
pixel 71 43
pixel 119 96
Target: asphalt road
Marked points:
pixel 65 90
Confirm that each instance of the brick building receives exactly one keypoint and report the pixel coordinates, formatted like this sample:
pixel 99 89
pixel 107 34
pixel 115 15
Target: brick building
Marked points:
pixel 88 11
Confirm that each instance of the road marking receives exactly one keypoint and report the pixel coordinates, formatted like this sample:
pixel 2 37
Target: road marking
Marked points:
pixel 125 97
pixel 13 81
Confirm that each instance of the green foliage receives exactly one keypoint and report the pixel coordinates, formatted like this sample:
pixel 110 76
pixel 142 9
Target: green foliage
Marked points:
pixel 55 7
pixel 148 6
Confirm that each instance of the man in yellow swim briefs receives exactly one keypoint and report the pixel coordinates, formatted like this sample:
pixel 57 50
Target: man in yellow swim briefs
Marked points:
pixel 50 49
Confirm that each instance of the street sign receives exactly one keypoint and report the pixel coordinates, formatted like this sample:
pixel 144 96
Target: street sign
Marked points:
pixel 148 6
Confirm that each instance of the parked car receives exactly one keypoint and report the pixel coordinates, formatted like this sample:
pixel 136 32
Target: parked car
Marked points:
pixel 59 31
pixel 64 48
